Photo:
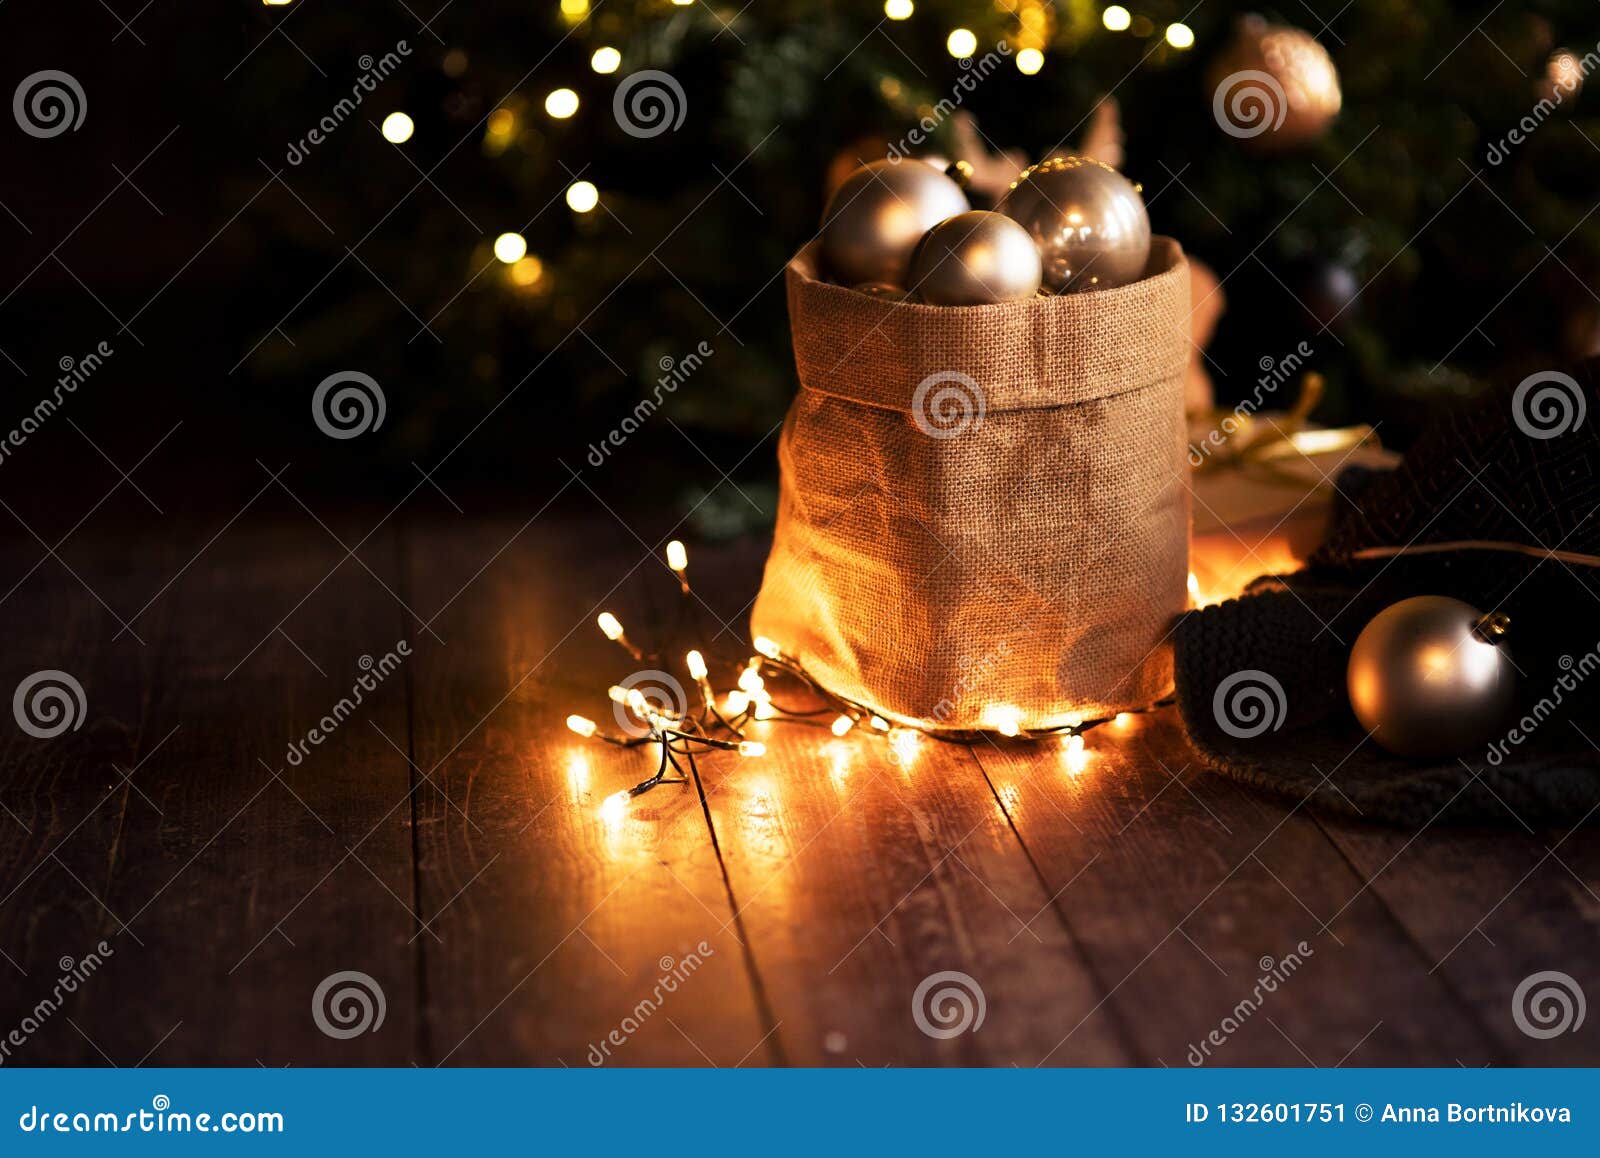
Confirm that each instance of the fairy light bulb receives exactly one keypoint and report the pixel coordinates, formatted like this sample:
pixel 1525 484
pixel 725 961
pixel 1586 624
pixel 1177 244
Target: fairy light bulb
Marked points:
pixel 898 9
pixel 605 60
pixel 737 702
pixel 1003 718
pixel 961 42
pixel 1180 35
pixel 1123 719
pixel 614 807
pixel 397 128
pixel 763 705
pixel 677 556
pixel 617 694
pixel 610 624
pixel 1029 61
pixel 1116 18
pixel 1076 756
pixel 841 725
pixel 582 725
pixel 582 196
pixel 510 247
pixel 751 681
pixel 880 724
pixel 561 103
pixel 697 665
pixel 752 748
pixel 766 647
pixel 1194 588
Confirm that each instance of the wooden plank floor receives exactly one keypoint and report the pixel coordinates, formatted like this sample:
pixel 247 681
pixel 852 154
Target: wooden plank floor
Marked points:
pixel 442 847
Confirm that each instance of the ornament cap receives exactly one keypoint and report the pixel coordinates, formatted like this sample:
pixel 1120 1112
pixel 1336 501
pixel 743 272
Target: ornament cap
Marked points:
pixel 1493 627
pixel 961 172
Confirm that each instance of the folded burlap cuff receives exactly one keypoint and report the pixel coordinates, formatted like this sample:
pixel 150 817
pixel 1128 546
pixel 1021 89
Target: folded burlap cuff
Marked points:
pixel 983 516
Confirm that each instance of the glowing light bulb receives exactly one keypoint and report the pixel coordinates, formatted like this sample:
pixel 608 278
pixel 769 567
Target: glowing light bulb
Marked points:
pixel 766 647
pixel 697 665
pixel 397 128
pixel 752 748
pixel 764 708
pixel 682 3
pixel 1003 718
pixel 582 196
pixel 1180 35
pixel 841 725
pixel 1194 588
pixel 605 60
pixel 898 9
pixel 903 743
pixel 614 807
pixel 736 703
pixel 617 693
pixel 581 725
pixel 880 724
pixel 574 9
pixel 510 247
pixel 961 42
pixel 275 3
pixel 1029 61
pixel 610 624
pixel 1116 18
pixel 677 556
pixel 561 103
pixel 1076 756
pixel 527 272
pixel 751 681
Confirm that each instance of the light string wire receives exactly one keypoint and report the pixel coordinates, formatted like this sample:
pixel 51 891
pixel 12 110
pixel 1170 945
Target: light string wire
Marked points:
pixel 685 734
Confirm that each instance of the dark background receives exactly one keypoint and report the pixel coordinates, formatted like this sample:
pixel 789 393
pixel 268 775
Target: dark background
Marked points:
pixel 230 282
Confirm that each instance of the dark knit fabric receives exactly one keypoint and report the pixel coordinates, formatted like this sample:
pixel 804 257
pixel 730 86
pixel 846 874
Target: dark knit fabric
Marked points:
pixel 1477 476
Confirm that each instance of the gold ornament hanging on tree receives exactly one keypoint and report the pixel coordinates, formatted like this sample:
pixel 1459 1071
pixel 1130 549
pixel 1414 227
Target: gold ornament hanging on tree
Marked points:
pixel 1274 87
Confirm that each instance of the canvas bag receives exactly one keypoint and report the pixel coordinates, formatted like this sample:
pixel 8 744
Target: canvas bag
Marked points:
pixel 983 511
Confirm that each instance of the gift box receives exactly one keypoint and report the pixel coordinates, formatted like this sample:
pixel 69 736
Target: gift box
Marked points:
pixel 983 510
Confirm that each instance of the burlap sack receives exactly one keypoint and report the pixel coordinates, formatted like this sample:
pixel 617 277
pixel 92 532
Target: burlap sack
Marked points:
pixel 983 516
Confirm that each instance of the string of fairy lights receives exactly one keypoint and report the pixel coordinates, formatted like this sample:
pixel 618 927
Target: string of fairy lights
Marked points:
pixel 1034 28
pixel 721 722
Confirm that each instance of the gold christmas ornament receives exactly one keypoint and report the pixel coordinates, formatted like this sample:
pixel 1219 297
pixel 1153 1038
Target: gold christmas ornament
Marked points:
pixel 875 219
pixel 1088 221
pixel 975 258
pixel 1274 86
pixel 1432 677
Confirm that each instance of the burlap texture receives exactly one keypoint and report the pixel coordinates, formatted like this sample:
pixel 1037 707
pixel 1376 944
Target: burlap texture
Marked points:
pixel 984 507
